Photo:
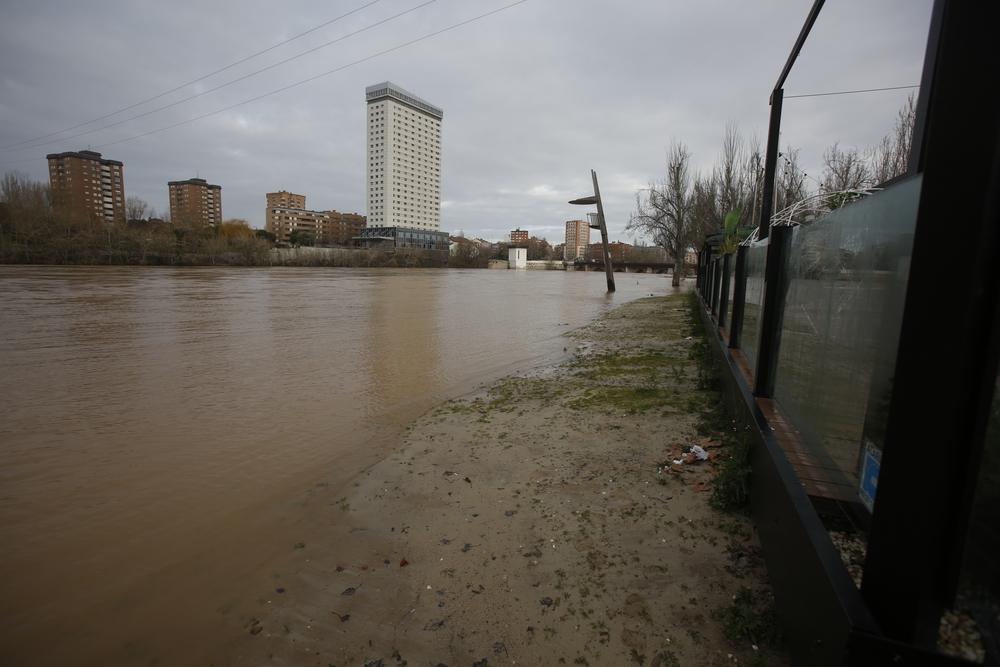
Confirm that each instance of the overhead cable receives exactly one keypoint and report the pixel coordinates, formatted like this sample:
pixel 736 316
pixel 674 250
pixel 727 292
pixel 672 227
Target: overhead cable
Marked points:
pixel 850 92
pixel 224 85
pixel 318 76
pixel 190 83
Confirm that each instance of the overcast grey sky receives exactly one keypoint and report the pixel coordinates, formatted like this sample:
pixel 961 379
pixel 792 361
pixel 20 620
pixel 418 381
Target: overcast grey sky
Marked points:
pixel 534 95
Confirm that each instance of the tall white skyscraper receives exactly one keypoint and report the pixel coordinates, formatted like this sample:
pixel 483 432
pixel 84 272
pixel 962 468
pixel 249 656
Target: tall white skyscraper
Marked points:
pixel 404 159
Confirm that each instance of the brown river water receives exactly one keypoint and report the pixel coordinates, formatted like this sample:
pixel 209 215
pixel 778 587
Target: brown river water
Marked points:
pixel 164 430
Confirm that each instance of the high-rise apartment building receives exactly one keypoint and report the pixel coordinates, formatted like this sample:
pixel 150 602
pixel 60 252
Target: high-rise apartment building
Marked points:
pixel 88 184
pixel 286 213
pixel 404 159
pixel 577 240
pixel 195 201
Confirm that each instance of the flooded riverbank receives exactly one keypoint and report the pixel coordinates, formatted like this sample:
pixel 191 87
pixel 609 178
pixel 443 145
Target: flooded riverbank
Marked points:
pixel 169 431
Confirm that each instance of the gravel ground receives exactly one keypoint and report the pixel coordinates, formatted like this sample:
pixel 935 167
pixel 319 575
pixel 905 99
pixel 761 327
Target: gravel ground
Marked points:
pixel 958 635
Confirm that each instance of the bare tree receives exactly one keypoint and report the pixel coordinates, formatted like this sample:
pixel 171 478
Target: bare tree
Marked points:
pixel 730 176
pixel 136 208
pixel 704 206
pixel 663 210
pixel 844 170
pixel 26 214
pixel 753 170
pixel 790 185
pixel 734 183
pixel 891 156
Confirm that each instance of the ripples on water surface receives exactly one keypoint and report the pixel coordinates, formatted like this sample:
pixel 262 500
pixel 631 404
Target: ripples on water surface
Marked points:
pixel 159 423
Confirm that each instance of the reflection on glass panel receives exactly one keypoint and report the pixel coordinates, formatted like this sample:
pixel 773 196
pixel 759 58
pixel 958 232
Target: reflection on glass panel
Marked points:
pixel 979 586
pixel 847 276
pixel 756 261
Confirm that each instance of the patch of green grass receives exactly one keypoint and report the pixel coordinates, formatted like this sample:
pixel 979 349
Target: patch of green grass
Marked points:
pixel 751 616
pixel 669 659
pixel 731 487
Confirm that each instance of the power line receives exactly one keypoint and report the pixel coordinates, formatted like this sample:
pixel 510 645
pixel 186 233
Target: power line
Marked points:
pixel 318 76
pixel 190 83
pixel 220 86
pixel 850 92
pixel 796 167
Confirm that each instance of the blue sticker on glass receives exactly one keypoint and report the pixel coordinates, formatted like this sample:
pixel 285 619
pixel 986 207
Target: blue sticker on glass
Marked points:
pixel 868 481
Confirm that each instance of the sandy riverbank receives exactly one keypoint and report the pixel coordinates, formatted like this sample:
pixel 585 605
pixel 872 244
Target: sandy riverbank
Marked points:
pixel 529 524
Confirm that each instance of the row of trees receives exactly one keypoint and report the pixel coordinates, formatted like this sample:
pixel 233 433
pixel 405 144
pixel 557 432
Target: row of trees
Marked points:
pixel 680 209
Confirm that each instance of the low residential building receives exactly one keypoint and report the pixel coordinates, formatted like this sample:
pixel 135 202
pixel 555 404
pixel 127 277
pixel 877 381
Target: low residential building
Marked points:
pixel 459 245
pixel 619 251
pixel 88 184
pixel 287 214
pixel 397 238
pixel 196 202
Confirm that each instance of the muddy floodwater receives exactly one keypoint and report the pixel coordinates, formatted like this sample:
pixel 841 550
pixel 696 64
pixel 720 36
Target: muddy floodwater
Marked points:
pixel 167 435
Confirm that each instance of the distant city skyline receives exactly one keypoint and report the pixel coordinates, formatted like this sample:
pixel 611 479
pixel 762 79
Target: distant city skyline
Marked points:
pixel 589 85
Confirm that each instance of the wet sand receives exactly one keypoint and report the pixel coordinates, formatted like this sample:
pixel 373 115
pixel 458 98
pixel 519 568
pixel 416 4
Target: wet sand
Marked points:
pixel 527 523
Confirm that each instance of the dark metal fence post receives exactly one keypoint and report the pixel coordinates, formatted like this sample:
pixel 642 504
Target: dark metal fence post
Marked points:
pixel 770 163
pixel 739 298
pixel 773 311
pixel 706 268
pixel 700 272
pixel 774 126
pixel 707 295
pixel 716 279
pixel 946 364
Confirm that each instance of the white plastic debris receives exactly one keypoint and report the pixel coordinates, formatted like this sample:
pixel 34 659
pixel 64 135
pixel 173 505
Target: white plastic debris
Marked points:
pixel 699 452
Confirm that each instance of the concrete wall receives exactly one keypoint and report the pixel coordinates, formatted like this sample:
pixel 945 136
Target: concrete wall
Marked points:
pixel 541 265
pixel 285 255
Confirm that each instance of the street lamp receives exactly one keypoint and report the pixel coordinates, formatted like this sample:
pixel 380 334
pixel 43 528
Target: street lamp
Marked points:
pixel 596 199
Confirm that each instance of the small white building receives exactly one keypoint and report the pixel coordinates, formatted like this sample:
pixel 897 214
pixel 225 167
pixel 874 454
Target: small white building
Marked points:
pixel 518 258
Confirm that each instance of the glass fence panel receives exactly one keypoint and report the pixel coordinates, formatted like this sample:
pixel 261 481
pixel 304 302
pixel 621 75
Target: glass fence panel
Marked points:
pixel 729 287
pixel 847 276
pixel 756 261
